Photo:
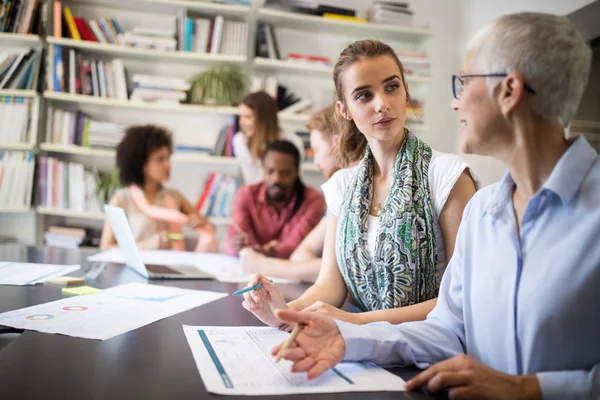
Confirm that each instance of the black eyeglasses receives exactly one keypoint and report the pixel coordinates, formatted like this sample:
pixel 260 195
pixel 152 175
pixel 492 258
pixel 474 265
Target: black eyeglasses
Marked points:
pixel 457 82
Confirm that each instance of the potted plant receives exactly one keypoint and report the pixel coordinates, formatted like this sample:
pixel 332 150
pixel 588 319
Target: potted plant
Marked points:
pixel 219 86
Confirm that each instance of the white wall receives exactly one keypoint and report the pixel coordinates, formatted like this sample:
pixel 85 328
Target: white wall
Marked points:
pixel 474 14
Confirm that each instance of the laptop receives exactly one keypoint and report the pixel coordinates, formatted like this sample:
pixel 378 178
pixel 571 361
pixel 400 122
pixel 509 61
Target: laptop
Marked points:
pixel 133 258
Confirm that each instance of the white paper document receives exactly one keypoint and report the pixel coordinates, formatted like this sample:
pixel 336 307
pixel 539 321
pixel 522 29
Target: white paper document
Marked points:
pixel 238 361
pixel 223 267
pixel 113 312
pixel 15 273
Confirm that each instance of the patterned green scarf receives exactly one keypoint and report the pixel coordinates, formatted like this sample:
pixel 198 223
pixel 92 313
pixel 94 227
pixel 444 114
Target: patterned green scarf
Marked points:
pixel 403 271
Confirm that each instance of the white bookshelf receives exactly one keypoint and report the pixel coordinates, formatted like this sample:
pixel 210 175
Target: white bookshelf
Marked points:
pixel 148 61
pixel 311 23
pixel 115 50
pixel 60 212
pixel 177 157
pixel 270 64
pixel 137 105
pixel 172 6
pixel 14 210
pixel 19 40
pixel 99 216
pixel 20 93
pixel 17 147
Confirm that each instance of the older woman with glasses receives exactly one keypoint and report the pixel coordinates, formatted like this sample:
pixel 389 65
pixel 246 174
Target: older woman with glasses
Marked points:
pixel 517 313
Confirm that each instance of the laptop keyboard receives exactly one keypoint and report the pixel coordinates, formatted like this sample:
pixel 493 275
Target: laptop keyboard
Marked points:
pixel 162 269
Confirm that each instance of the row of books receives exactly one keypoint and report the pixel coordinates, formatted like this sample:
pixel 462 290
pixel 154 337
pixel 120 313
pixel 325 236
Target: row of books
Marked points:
pixel 22 16
pixel 390 13
pixel 211 35
pixel 77 128
pixel 217 196
pixel 15 119
pixel 105 30
pixel 70 73
pixel 20 70
pixel 64 237
pixel 224 144
pixel 159 89
pixel 67 185
pixel 16 178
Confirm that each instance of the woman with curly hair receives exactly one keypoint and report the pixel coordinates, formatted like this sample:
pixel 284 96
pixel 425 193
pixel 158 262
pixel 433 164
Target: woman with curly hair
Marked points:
pixel 143 160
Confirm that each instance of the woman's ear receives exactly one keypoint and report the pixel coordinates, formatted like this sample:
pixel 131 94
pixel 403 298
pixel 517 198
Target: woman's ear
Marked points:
pixel 343 110
pixel 335 140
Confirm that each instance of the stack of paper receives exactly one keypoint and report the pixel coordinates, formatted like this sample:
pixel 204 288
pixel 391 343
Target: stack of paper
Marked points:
pixel 14 273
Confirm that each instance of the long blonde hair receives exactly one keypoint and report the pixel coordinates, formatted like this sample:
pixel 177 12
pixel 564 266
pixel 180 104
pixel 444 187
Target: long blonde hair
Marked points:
pixel 352 142
pixel 266 122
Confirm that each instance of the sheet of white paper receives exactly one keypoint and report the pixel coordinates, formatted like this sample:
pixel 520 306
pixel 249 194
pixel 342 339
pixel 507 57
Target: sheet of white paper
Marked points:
pixel 225 268
pixel 15 273
pixel 163 257
pixel 104 315
pixel 232 272
pixel 238 361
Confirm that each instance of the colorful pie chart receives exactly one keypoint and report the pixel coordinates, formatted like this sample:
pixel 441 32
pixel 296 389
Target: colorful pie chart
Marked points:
pixel 74 308
pixel 39 317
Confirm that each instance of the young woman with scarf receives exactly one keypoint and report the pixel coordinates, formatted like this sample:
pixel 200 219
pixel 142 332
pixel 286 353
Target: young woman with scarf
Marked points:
pixel 392 220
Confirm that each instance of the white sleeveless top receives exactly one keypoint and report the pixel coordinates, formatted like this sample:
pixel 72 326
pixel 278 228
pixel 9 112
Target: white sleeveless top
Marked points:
pixel 444 171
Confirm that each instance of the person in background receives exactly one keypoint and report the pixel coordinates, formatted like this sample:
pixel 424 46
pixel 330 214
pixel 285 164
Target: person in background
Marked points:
pixel 517 314
pixel 143 161
pixel 305 261
pixel 274 216
pixel 393 219
pixel 259 126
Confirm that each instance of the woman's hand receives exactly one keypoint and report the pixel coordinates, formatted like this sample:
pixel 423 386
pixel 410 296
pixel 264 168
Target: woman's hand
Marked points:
pixel 335 313
pixel 263 301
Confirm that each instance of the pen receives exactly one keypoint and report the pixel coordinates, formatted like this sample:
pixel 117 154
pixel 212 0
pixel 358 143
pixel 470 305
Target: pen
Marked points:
pixel 248 289
pixel 288 342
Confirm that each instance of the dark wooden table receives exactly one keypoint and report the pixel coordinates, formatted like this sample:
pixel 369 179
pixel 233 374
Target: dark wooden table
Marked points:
pixel 152 362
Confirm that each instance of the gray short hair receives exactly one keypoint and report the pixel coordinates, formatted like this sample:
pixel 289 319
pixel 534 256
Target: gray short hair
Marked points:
pixel 547 50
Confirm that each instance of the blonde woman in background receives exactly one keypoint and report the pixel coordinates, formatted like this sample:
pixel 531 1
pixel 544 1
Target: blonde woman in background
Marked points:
pixel 259 126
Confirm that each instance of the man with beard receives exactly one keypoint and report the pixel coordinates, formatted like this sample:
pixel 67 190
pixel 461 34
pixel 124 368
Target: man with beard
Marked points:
pixel 274 216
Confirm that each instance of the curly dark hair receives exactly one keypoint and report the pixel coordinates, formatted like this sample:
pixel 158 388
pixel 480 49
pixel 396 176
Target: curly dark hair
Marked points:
pixel 135 148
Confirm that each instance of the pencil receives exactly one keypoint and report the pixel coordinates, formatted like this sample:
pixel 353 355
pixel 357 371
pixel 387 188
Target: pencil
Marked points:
pixel 288 342
pixel 248 289
pixel 174 236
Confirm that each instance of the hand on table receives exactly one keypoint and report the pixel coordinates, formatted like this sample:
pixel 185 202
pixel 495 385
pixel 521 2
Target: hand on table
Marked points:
pixel 469 379
pixel 319 345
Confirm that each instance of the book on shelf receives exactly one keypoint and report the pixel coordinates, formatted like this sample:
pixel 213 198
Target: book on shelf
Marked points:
pixel 71 237
pixel 79 129
pixel 217 195
pixel 103 30
pixel 308 59
pixel 266 42
pixel 23 16
pixel 150 88
pixel 347 18
pixel 391 13
pixel 224 145
pixel 309 153
pixel 414 63
pixel 68 72
pixel 67 185
pixel 15 119
pixel 414 111
pixel 16 178
pixel 20 70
